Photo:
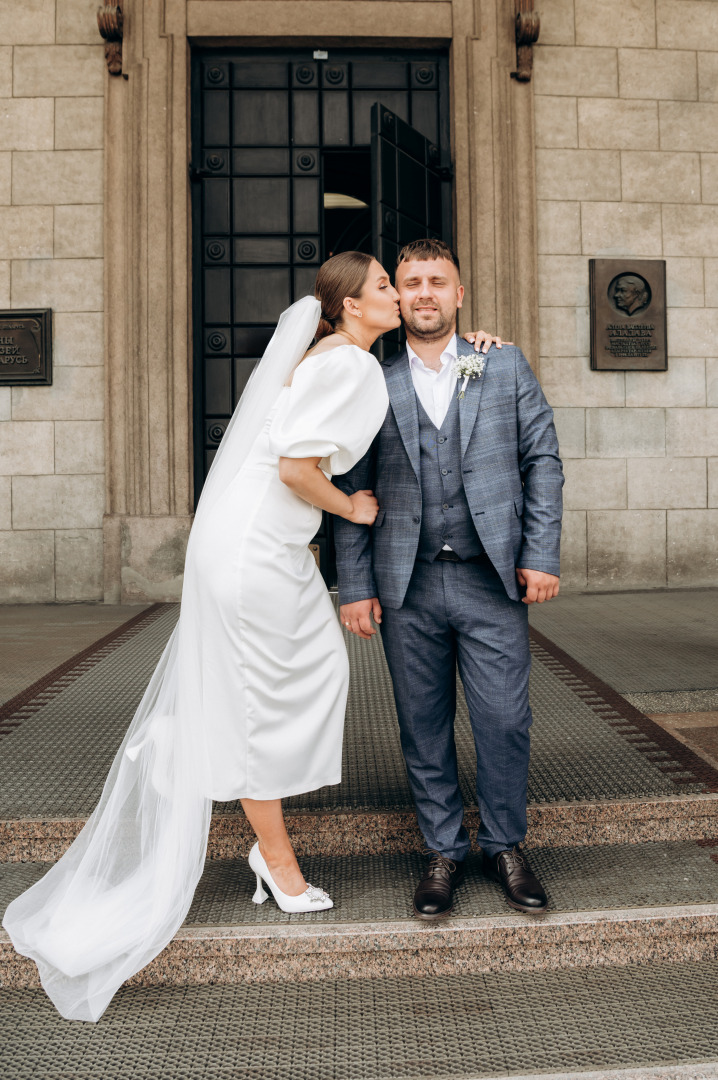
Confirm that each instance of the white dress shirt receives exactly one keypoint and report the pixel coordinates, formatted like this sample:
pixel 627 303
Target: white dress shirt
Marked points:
pixel 435 388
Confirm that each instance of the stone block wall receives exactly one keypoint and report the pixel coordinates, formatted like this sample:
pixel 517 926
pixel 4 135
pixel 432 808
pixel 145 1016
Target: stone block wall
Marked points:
pixel 626 115
pixel 626 126
pixel 52 484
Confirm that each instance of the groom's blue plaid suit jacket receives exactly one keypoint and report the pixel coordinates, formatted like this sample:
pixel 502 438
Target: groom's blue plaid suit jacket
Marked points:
pixel 512 477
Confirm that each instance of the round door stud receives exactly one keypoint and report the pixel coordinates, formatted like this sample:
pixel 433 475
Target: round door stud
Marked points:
pixel 306 249
pixel 216 340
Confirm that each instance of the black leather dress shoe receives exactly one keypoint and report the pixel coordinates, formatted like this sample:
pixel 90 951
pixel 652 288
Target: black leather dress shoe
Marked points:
pixel 434 896
pixel 522 888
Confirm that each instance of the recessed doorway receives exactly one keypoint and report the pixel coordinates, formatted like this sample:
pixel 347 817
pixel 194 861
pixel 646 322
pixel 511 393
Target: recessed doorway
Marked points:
pixel 297 155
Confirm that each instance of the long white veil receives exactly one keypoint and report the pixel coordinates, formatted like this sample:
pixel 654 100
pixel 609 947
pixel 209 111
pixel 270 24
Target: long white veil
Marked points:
pixel 123 889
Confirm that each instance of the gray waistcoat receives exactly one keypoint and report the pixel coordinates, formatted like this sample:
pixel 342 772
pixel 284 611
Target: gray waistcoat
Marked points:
pixel 445 517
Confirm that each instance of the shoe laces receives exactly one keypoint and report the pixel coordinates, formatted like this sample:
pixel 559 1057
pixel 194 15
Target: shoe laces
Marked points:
pixel 515 859
pixel 437 861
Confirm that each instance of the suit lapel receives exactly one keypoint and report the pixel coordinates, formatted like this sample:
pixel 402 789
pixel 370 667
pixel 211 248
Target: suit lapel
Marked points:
pixel 400 388
pixel 469 403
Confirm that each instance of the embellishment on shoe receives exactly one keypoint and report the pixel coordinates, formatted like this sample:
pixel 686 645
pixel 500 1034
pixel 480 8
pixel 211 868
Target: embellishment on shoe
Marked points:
pixel 315 895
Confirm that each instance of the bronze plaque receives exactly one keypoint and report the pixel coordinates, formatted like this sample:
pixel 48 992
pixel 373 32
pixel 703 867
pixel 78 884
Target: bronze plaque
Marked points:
pixel 26 348
pixel 628 314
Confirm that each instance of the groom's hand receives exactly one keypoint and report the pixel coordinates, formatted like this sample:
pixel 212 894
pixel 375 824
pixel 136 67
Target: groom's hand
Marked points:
pixel 357 616
pixel 539 586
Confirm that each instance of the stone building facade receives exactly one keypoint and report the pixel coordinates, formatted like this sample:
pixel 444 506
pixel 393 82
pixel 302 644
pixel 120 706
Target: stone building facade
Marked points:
pixel 611 149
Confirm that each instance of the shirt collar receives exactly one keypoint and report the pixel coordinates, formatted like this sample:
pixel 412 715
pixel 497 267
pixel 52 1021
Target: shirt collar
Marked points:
pixel 449 353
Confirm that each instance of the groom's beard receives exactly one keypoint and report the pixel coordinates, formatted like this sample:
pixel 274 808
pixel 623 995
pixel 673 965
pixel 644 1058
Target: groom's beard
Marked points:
pixel 430 328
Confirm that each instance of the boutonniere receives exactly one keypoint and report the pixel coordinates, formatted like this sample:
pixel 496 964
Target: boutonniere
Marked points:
pixel 468 367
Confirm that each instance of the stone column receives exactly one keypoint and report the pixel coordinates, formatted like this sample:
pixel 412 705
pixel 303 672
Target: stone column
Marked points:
pixel 148 386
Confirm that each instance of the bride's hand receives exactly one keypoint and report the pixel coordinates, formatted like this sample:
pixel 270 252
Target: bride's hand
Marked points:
pixel 364 508
pixel 479 338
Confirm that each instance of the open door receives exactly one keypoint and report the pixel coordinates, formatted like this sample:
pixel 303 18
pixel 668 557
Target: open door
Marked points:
pixel 407 197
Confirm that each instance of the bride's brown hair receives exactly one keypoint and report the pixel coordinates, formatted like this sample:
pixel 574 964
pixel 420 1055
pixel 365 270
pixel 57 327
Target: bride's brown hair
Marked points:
pixel 340 276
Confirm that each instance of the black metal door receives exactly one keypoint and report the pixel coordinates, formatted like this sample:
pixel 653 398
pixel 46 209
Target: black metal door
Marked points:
pixel 282 177
pixel 408 196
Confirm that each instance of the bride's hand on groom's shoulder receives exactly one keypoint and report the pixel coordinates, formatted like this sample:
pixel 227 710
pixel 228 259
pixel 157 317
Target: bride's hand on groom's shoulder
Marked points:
pixel 482 341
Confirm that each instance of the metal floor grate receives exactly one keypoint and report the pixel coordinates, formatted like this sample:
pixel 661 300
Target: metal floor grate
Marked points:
pixel 375 888
pixel 582 749
pixel 443 1028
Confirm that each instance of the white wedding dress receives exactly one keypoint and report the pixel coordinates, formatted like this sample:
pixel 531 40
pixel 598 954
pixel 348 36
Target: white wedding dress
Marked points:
pixel 248 698
pixel 275 704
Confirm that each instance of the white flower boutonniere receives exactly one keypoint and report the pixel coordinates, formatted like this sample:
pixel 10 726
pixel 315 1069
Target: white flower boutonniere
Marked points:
pixel 468 367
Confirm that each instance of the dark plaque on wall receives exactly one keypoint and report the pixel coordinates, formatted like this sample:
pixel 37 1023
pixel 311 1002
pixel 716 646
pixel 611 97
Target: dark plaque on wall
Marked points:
pixel 26 347
pixel 628 314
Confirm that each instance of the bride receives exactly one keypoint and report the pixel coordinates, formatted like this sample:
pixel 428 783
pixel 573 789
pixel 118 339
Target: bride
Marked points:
pixel 248 699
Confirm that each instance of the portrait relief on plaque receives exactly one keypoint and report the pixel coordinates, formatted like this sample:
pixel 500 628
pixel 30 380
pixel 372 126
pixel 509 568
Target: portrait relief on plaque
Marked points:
pixel 26 348
pixel 628 314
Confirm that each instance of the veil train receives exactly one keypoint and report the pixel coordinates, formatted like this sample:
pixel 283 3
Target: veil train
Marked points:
pixel 123 888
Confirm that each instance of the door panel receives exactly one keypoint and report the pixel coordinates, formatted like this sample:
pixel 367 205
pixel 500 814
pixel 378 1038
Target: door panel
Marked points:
pixel 306 205
pixel 305 118
pixel 258 73
pixel 216 206
pixel 261 117
pixel 259 293
pixel 376 74
pixel 247 162
pixel 335 120
pixel 215 115
pixel 217 385
pixel 261 205
pixel 217 296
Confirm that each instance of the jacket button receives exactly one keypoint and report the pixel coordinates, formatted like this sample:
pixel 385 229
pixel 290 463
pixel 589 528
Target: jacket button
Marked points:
pixel 442 438
pixel 445 506
pixel 444 472
pixel 415 520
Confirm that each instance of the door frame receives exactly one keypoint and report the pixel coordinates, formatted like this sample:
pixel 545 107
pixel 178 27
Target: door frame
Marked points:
pixel 148 278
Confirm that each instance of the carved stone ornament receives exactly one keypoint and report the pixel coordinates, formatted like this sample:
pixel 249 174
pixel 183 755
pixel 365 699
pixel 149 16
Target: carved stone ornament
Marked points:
pixel 109 21
pixel 528 25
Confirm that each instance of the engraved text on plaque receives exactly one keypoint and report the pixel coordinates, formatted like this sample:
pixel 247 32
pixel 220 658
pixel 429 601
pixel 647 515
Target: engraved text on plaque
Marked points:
pixel 26 348
pixel 628 314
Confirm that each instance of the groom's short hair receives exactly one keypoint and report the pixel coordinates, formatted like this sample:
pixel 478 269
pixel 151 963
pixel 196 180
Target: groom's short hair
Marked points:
pixel 422 250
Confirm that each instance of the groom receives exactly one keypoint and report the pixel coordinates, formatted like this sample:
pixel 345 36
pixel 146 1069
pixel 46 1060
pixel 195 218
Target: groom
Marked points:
pixel 467 535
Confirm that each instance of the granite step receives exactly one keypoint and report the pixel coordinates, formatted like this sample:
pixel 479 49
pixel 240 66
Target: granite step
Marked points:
pixel 608 905
pixel 346 831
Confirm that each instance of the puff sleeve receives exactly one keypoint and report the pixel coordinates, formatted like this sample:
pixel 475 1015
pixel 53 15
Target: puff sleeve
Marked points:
pixel 335 406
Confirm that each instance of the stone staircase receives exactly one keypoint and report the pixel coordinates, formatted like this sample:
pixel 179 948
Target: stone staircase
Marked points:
pixel 632 881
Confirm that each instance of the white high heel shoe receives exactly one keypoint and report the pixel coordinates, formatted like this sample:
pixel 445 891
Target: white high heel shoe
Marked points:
pixel 312 899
